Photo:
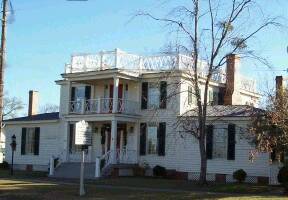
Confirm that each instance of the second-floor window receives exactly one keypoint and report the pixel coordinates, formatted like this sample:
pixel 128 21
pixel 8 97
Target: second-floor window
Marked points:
pixel 80 92
pixel 154 95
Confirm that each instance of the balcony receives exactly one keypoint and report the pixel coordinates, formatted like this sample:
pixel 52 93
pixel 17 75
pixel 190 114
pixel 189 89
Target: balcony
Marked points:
pixel 136 64
pixel 103 106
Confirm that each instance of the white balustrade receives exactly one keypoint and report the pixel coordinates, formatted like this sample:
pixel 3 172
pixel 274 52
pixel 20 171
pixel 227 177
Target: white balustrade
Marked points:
pixel 134 63
pixel 103 105
pixel 247 84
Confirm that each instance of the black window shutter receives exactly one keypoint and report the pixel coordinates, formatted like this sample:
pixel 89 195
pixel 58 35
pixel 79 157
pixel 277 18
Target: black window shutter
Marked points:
pixel 103 135
pixel 221 96
pixel 72 98
pixel 231 142
pixel 71 136
pixel 87 92
pixel 144 96
pixel 143 127
pixel 36 141
pixel 23 141
pixel 209 141
pixel 163 94
pixel 161 138
pixel 273 155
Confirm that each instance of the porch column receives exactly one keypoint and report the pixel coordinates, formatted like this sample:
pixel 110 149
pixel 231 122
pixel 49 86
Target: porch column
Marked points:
pixel 66 139
pixel 113 141
pixel 137 139
pixel 69 86
pixel 115 95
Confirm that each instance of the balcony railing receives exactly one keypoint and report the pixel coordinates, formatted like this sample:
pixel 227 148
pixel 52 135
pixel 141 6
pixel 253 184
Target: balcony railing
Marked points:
pixel 134 63
pixel 102 106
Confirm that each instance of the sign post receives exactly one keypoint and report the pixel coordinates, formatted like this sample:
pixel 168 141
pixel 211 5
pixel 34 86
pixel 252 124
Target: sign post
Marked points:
pixel 83 137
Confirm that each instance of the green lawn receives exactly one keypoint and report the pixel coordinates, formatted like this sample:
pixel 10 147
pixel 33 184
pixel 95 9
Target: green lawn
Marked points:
pixel 188 185
pixel 36 186
pixel 19 189
pixel 21 174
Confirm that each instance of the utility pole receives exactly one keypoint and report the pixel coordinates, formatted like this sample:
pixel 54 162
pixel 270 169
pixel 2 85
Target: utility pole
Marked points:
pixel 2 61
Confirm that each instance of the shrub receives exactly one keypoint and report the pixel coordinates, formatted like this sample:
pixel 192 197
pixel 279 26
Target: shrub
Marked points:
pixel 239 175
pixel 159 171
pixel 4 165
pixel 283 175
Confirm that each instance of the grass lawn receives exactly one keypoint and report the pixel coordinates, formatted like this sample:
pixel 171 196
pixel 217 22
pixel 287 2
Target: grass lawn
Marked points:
pixel 35 186
pixel 19 189
pixel 188 185
pixel 21 174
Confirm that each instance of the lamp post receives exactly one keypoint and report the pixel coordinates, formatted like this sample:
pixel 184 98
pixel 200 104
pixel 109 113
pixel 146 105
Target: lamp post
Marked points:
pixel 13 147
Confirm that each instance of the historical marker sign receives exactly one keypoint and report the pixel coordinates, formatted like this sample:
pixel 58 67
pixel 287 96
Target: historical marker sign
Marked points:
pixel 83 133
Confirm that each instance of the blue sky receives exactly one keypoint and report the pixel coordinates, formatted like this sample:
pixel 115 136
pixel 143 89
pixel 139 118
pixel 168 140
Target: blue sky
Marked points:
pixel 45 33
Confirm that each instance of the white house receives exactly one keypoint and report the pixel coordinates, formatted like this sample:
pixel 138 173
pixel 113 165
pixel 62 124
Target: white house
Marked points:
pixel 132 104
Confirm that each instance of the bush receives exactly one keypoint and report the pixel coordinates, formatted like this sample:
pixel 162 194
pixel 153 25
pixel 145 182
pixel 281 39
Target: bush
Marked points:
pixel 4 165
pixel 283 175
pixel 239 175
pixel 159 171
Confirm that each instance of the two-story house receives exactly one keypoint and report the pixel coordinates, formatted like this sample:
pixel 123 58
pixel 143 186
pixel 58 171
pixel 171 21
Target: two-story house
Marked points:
pixel 132 104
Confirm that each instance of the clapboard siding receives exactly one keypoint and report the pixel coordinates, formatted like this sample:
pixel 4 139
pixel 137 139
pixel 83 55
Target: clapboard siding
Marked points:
pixel 49 143
pixel 182 154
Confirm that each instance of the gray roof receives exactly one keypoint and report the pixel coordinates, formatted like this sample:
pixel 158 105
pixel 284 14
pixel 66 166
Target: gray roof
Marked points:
pixel 228 111
pixel 38 117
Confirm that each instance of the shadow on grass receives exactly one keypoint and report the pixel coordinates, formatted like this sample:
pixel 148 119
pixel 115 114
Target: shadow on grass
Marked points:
pixel 37 191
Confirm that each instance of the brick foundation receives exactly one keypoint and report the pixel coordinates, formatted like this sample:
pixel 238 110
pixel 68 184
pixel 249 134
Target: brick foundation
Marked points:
pixel 220 178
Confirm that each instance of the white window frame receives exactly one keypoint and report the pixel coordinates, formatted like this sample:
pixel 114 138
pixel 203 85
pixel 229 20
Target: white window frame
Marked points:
pixel 153 98
pixel 30 141
pixel 152 140
pixel 220 134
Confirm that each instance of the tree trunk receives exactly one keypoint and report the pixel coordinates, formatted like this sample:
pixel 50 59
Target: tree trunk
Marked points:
pixel 203 167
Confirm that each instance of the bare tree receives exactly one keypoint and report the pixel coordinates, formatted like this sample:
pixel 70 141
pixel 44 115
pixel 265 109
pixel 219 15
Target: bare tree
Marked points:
pixel 209 31
pixel 47 108
pixel 11 106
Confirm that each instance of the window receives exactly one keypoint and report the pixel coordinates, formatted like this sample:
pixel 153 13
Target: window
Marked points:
pixel 152 139
pixel 30 141
pixel 215 97
pixel 153 95
pixel 79 93
pixel 220 143
pixel 190 95
pixel 210 97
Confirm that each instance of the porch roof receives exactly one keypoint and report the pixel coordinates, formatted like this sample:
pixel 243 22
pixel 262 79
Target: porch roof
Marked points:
pixel 227 111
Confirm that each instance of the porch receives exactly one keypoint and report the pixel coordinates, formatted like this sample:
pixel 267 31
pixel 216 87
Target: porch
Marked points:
pixel 104 96
pixel 113 141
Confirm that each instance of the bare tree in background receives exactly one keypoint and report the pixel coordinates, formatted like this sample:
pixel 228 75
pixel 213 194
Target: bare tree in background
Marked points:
pixel 11 107
pixel 209 31
pixel 48 108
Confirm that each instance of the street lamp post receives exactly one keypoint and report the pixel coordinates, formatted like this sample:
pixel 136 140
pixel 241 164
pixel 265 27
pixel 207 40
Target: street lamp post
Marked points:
pixel 13 147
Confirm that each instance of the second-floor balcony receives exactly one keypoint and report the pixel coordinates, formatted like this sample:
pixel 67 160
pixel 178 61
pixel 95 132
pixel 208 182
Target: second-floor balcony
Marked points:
pixel 103 106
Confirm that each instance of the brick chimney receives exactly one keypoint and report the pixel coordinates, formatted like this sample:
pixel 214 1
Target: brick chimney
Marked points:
pixel 33 103
pixel 232 66
pixel 279 86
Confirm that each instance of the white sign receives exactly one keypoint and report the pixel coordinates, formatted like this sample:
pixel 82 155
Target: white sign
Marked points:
pixel 83 133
